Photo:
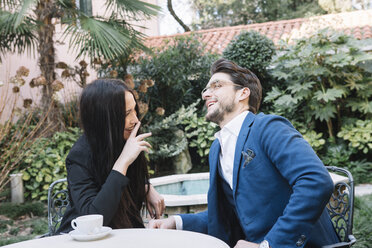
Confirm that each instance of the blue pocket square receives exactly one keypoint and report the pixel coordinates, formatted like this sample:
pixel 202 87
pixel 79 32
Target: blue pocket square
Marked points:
pixel 248 156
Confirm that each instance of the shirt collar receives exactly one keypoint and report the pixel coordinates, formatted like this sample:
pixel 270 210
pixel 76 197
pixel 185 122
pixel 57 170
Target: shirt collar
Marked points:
pixel 233 126
pixel 236 123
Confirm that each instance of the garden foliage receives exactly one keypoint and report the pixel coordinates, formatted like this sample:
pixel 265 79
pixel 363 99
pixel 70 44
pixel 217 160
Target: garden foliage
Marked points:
pixel 322 81
pixel 200 134
pixel 254 51
pixel 326 87
pixel 362 222
pixel 358 134
pixel 195 132
pixel 18 132
pixel 180 70
pixel 251 50
pixel 46 163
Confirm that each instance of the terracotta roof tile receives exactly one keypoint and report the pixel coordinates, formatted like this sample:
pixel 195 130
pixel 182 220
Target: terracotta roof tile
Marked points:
pixel 356 23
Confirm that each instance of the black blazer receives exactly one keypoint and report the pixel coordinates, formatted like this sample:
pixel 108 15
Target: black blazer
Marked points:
pixel 86 195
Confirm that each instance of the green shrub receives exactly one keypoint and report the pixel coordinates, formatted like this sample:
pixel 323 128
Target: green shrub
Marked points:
pixel 46 163
pixel 358 134
pixel 251 50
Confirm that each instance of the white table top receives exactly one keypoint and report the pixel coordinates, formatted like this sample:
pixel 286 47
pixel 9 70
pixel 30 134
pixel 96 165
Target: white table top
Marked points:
pixel 130 238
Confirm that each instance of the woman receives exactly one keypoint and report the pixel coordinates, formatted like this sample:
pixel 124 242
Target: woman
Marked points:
pixel 106 168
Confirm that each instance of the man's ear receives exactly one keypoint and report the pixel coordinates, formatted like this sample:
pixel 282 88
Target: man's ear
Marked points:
pixel 244 94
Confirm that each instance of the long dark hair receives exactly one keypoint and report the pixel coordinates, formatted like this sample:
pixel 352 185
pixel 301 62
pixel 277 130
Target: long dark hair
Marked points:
pixel 102 115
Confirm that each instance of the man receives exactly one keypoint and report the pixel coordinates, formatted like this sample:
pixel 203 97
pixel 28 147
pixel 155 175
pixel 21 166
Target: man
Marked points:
pixel 267 186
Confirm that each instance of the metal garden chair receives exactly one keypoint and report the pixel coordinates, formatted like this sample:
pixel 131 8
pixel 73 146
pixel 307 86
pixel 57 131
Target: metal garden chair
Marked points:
pixel 341 209
pixel 58 200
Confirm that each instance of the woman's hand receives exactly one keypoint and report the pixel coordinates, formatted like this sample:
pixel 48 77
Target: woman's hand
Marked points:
pixel 155 202
pixel 133 147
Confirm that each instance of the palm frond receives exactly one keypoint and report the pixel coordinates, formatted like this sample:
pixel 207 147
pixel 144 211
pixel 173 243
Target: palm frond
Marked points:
pixel 25 8
pixel 133 9
pixel 70 11
pixel 16 38
pixel 9 4
pixel 97 37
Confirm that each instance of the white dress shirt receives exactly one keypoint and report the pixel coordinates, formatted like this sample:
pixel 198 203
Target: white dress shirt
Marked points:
pixel 227 137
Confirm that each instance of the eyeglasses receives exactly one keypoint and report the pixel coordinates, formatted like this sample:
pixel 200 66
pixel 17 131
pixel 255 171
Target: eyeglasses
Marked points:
pixel 219 84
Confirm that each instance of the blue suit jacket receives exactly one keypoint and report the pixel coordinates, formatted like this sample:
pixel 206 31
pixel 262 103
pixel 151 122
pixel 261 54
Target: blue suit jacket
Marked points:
pixel 280 189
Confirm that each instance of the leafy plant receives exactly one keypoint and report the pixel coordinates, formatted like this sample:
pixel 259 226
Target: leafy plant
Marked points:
pixel 324 81
pixel 179 70
pixel 179 131
pixel 200 134
pixel 46 163
pixel 342 156
pixel 165 143
pixel 315 139
pixel 114 68
pixel 359 135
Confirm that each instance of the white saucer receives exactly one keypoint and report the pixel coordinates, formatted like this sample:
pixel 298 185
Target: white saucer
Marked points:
pixel 105 230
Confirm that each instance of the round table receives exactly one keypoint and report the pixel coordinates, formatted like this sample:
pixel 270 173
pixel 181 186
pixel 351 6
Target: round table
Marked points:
pixel 130 238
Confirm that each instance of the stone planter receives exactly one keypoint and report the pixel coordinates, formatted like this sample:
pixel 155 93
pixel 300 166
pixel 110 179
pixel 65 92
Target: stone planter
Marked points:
pixel 16 188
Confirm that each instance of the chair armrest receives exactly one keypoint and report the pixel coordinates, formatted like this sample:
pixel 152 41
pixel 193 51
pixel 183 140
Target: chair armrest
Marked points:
pixel 342 244
pixel 352 239
pixel 42 236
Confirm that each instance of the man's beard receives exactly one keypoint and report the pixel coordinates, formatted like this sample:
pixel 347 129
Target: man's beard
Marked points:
pixel 218 115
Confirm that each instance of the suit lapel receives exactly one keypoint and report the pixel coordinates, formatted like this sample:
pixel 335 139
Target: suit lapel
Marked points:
pixel 215 226
pixel 243 134
pixel 213 162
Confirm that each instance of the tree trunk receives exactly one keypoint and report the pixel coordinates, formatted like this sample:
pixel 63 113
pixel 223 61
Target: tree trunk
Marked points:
pixel 170 8
pixel 46 52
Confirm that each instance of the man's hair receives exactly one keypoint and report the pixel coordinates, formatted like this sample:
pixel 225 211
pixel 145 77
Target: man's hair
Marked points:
pixel 243 77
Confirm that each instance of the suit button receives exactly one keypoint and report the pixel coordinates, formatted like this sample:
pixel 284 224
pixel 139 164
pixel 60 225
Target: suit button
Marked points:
pixel 299 243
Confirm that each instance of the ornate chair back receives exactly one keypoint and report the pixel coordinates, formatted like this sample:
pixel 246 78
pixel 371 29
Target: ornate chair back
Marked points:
pixel 341 208
pixel 58 200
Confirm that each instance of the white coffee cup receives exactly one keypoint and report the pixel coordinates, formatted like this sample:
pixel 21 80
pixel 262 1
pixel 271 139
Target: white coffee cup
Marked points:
pixel 88 224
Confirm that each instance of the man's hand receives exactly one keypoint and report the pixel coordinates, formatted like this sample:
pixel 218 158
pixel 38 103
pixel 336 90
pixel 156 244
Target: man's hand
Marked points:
pixel 245 244
pixel 168 223
pixel 155 202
